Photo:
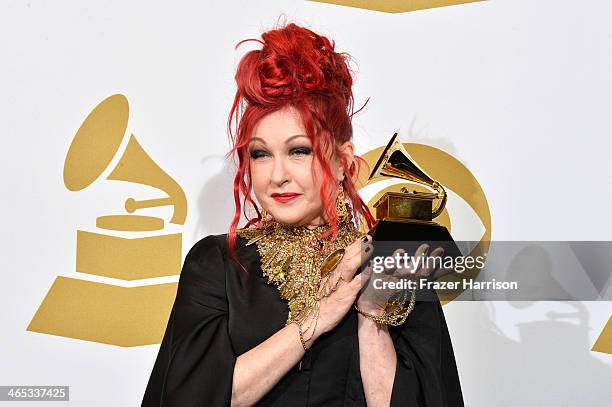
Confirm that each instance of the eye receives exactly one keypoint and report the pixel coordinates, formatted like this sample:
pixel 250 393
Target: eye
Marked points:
pixel 301 151
pixel 255 153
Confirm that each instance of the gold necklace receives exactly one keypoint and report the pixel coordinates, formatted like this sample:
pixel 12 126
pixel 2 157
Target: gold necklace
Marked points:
pixel 291 259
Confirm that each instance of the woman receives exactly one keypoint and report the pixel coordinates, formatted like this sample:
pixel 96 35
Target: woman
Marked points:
pixel 276 313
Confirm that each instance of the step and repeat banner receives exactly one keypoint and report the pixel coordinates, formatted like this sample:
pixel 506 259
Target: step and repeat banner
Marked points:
pixel 114 120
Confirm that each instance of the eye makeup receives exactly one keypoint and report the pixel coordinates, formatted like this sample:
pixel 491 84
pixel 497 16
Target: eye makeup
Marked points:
pixel 256 153
pixel 302 150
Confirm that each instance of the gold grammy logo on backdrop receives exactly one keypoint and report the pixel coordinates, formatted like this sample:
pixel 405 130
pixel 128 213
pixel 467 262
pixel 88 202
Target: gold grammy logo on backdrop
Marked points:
pixel 396 6
pixel 107 313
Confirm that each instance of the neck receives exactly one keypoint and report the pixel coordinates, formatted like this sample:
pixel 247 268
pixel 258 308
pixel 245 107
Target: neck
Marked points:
pixel 313 224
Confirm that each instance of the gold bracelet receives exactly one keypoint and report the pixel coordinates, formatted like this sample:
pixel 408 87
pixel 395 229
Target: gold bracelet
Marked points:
pixel 301 337
pixel 323 292
pixel 316 320
pixel 395 313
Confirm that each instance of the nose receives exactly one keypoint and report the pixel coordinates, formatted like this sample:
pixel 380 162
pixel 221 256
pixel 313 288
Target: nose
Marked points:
pixel 280 173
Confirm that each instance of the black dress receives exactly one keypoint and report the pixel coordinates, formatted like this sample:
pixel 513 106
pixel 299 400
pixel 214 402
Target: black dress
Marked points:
pixel 220 312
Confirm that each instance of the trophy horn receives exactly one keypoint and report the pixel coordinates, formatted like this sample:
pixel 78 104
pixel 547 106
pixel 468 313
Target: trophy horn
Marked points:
pixel 396 162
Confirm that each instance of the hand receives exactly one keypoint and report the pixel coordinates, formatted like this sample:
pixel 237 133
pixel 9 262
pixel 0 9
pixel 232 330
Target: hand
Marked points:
pixel 335 306
pixel 373 300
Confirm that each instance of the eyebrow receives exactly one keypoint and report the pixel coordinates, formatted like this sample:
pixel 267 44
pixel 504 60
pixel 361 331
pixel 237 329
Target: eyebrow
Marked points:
pixel 286 141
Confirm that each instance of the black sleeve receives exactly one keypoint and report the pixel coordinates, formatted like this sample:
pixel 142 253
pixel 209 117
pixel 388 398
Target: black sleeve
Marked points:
pixel 426 372
pixel 195 364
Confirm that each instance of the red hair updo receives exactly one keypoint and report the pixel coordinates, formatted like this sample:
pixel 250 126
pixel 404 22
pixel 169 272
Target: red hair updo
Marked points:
pixel 299 68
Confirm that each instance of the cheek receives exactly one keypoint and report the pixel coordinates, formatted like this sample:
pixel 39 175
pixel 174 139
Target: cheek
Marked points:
pixel 313 187
pixel 302 176
pixel 258 180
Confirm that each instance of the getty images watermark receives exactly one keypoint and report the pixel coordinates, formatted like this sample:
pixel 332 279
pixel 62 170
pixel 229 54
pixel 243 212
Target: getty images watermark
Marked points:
pixel 405 265
pixel 494 270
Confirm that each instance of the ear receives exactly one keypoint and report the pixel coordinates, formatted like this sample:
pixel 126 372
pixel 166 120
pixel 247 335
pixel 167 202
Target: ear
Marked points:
pixel 347 153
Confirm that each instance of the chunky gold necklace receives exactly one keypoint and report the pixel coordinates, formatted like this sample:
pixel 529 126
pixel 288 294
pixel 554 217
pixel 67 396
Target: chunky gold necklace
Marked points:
pixel 291 259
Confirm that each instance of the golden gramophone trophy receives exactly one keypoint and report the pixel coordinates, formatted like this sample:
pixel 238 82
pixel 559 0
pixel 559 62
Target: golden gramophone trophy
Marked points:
pixel 406 217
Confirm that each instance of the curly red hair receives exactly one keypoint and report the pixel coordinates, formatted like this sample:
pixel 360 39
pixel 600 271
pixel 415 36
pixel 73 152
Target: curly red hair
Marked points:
pixel 299 68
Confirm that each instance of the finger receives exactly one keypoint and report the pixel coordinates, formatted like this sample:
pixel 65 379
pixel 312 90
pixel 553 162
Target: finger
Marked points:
pixel 441 272
pixel 336 283
pixel 433 262
pixel 418 260
pixel 366 273
pixel 422 250
pixel 367 246
pixel 402 264
pixel 349 265
pixel 364 281
pixel 355 255
pixel 368 251
pixel 436 274
pixel 356 283
pixel 366 267
pixel 358 248
pixel 353 248
pixel 413 262
pixel 359 244
pixel 437 252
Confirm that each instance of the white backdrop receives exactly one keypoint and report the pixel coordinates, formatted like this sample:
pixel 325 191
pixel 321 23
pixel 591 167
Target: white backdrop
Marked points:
pixel 517 90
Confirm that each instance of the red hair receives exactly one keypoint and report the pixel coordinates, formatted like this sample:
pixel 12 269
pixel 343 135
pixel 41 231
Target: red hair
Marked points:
pixel 296 68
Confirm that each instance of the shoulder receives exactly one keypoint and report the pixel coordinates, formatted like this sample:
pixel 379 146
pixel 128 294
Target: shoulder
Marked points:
pixel 209 260
pixel 213 248
pixel 214 245
pixel 205 260
pixel 203 273
pixel 206 246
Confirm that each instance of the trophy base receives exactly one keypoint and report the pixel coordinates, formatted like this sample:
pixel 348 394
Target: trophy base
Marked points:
pixel 413 233
pixel 390 235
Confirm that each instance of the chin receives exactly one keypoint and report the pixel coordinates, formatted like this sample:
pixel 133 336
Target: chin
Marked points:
pixel 297 213
pixel 287 219
pixel 289 215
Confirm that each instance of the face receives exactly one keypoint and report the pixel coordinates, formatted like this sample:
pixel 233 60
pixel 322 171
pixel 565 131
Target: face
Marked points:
pixel 281 163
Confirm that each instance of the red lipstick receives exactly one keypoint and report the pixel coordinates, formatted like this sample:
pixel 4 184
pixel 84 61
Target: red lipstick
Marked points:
pixel 285 197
